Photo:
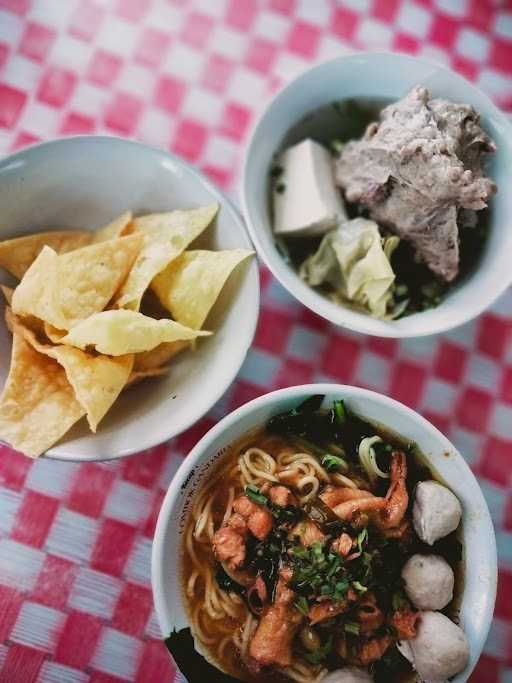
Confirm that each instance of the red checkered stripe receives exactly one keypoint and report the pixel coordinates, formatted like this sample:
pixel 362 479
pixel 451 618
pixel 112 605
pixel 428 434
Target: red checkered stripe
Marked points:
pixel 190 76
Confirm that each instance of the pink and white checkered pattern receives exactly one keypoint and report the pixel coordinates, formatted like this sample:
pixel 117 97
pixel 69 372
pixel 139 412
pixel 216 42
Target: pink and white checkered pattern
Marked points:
pixel 190 75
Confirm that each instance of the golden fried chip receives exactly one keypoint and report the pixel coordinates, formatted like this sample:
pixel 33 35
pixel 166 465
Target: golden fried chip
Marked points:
pixel 140 375
pixel 190 284
pixel 148 360
pixel 117 228
pixel 38 405
pixel 166 235
pixel 18 254
pixel 116 333
pixel 7 292
pixel 96 380
pixel 53 333
pixel 62 290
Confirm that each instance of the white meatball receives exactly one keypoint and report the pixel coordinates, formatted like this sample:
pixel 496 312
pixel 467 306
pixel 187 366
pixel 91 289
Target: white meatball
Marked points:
pixel 348 675
pixel 436 511
pixel 439 650
pixel 428 581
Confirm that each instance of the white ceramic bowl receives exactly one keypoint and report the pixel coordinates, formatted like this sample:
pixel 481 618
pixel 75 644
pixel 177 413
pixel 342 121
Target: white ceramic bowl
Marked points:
pixel 391 76
pixel 83 182
pixel 480 572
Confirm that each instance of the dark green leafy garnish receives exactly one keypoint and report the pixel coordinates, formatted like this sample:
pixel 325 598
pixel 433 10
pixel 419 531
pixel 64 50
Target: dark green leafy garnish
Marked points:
pixel 226 583
pixel 280 188
pixel 321 653
pixel 190 662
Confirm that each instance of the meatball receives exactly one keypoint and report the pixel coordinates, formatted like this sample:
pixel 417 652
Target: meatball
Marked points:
pixel 428 581
pixel 436 511
pixel 348 675
pixel 439 650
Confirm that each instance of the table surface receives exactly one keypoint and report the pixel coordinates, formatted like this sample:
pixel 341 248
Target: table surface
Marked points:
pixel 190 75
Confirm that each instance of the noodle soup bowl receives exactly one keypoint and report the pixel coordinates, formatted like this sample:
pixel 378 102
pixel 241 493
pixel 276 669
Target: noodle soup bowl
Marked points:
pixel 169 574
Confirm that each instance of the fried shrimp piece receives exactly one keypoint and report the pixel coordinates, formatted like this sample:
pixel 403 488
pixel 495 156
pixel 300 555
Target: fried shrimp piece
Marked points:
pixel 334 495
pixel 397 497
pixel 229 547
pixel 404 621
pixel 271 644
pixel 343 544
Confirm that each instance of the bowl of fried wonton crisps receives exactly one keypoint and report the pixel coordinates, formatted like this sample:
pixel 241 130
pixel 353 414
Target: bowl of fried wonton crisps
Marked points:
pixel 129 297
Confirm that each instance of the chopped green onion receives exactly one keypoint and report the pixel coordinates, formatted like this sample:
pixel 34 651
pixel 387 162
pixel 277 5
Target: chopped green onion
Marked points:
pixel 332 463
pixel 253 493
pixel 351 627
pixel 359 587
pixel 280 188
pixel 361 538
pixel 340 411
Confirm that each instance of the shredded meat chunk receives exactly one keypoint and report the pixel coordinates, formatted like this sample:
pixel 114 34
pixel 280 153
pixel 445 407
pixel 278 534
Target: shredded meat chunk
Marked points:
pixel 229 547
pixel 272 641
pixel 259 520
pixel 405 623
pixel 327 609
pixel 369 615
pixel 416 170
pixel 342 545
pixel 282 496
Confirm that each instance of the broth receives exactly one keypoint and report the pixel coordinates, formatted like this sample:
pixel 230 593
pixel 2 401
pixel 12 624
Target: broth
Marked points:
pixel 226 483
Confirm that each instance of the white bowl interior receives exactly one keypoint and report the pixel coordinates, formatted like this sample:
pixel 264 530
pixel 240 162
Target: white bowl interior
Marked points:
pixel 388 76
pixel 480 573
pixel 83 183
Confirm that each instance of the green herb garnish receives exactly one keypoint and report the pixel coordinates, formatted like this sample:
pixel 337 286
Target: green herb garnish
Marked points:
pixel 361 538
pixel 359 587
pixel 253 493
pixel 276 171
pixel 280 188
pixel 333 463
pixel 340 411
pixel 351 627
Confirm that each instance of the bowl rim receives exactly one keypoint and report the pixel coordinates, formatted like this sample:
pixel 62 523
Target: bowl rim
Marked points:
pixel 339 315
pixel 148 441
pixel 160 555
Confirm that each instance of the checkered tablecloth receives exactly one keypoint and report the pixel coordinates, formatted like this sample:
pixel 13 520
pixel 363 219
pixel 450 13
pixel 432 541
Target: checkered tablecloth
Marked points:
pixel 190 75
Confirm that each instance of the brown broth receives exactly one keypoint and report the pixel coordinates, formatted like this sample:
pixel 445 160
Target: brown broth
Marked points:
pixel 418 470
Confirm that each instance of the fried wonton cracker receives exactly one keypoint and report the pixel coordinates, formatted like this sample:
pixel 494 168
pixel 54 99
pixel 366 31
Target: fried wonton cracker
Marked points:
pixel 62 290
pixel 119 332
pixel 161 354
pixel 140 375
pixel 38 405
pixel 18 254
pixel 190 284
pixel 166 235
pixel 7 292
pixel 117 228
pixel 96 380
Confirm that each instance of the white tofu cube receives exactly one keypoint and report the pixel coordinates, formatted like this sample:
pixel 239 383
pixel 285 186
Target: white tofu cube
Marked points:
pixel 305 197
